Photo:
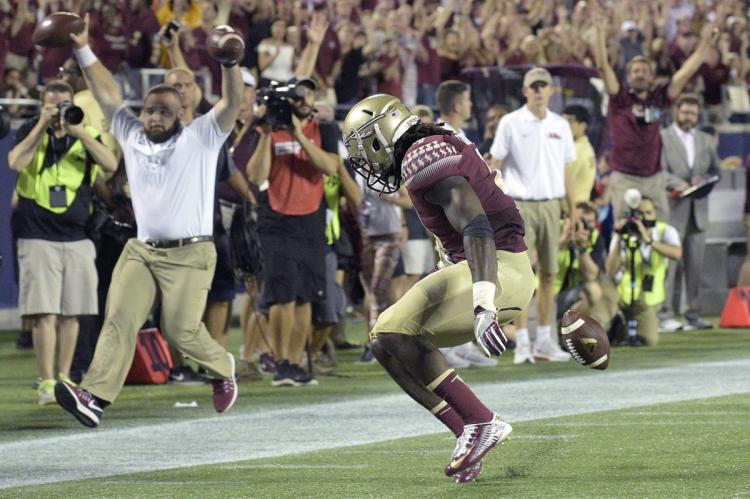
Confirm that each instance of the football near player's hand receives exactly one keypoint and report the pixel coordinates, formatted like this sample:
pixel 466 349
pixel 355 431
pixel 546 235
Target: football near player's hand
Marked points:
pixel 585 340
pixel 488 332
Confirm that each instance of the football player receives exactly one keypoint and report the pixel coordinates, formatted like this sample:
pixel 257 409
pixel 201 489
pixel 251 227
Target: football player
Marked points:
pixel 488 282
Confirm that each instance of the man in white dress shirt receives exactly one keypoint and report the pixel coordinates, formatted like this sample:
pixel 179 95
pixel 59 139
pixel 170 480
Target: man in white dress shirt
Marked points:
pixel 532 147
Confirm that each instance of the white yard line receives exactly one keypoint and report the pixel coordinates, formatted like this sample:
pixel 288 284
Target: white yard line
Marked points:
pixel 280 432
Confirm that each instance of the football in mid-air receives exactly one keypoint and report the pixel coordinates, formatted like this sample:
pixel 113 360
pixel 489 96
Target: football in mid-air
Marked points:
pixel 225 45
pixel 585 340
pixel 56 28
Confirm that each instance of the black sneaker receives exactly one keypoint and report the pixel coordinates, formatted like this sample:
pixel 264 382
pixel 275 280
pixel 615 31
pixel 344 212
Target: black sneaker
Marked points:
pixel 283 375
pixel 184 375
pixel 80 403
pixel 301 377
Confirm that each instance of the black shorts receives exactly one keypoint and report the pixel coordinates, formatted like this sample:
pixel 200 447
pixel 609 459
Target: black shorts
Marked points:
pixel 222 286
pixel 294 270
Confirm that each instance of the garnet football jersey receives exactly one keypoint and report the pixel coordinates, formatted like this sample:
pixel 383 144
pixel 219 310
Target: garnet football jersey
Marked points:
pixel 437 157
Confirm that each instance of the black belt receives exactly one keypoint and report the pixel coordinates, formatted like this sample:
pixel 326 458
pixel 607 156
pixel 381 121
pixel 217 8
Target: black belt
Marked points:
pixel 176 243
pixel 536 200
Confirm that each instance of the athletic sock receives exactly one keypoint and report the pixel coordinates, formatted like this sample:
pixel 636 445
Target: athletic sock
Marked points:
pixel 522 336
pixel 449 418
pixel 450 387
pixel 543 334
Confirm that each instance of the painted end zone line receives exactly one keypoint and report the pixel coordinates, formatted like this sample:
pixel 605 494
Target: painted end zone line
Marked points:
pixel 280 432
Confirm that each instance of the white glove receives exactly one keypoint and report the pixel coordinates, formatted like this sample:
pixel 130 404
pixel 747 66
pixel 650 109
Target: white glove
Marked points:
pixel 488 332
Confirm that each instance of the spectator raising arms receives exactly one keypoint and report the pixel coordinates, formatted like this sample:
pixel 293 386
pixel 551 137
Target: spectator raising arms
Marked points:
pixel 635 115
pixel 171 172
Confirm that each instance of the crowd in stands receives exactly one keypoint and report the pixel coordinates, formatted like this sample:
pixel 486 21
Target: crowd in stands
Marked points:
pixel 401 48
pixel 667 66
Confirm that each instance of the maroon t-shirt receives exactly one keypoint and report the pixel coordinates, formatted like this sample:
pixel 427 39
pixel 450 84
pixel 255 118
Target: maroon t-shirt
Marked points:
pixel 109 39
pixel 428 73
pixel 23 44
pixel 450 69
pixel 434 158
pixel 329 54
pixel 634 131
pixel 142 27
pixel 713 80
pixel 52 59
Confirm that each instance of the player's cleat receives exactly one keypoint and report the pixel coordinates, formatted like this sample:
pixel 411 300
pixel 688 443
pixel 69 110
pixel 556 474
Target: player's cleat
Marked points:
pixel 46 391
pixel 549 350
pixel 225 390
pixel 475 442
pixel 80 403
pixel 469 474
pixel 522 353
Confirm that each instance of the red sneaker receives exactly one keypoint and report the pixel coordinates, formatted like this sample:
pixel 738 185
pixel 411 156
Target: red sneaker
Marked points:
pixel 225 390
pixel 80 403
pixel 475 442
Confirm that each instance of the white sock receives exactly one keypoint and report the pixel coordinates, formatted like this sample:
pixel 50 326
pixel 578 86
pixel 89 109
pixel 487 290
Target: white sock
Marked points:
pixel 522 336
pixel 543 334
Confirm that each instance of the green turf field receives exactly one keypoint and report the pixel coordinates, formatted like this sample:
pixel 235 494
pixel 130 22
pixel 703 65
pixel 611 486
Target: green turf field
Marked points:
pixel 697 447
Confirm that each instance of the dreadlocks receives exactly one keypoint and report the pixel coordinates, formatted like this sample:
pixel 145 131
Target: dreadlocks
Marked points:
pixel 413 134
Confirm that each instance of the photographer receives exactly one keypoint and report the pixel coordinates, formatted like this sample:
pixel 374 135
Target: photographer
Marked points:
pixel 654 242
pixel 289 163
pixel 56 157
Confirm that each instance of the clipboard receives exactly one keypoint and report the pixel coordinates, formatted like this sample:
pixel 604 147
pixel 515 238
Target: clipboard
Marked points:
pixel 700 190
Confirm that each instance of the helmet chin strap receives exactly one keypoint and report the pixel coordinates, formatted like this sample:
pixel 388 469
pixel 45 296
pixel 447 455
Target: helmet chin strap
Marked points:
pixel 386 145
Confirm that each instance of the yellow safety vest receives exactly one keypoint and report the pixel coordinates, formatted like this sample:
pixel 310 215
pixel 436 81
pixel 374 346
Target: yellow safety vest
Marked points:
pixel 655 269
pixel 332 193
pixel 34 181
pixel 569 267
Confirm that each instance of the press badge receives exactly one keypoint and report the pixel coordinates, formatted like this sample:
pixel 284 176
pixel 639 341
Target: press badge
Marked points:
pixel 57 196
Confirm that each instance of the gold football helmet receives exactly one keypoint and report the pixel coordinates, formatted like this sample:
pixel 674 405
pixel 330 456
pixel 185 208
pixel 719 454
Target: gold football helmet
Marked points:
pixel 371 128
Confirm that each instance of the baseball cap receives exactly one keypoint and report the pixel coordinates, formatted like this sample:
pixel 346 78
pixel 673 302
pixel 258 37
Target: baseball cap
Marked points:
pixel 248 78
pixel 307 82
pixel 534 75
pixel 628 26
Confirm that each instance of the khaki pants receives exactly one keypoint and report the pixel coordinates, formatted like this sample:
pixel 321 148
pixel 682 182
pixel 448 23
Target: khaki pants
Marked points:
pixel 648 321
pixel 180 278
pixel 654 187
pixel 541 220
pixel 440 308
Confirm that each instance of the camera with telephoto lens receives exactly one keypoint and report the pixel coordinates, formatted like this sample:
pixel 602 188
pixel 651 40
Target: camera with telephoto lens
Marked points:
pixel 631 227
pixel 71 113
pixel 279 104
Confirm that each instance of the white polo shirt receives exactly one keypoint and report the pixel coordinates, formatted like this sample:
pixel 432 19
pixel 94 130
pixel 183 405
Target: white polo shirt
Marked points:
pixel 172 184
pixel 534 154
